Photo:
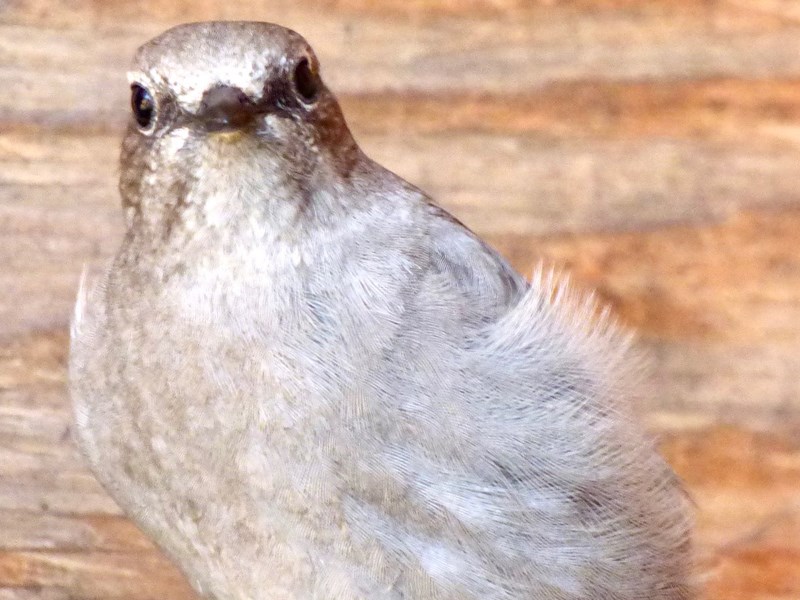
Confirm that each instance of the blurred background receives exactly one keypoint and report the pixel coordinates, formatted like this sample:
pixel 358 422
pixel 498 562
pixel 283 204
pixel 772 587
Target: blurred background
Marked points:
pixel 650 147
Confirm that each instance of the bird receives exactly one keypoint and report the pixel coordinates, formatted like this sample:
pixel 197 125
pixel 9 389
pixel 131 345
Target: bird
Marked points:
pixel 303 379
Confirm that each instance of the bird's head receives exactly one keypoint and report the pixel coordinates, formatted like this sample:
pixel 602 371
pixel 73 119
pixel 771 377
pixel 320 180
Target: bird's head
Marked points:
pixel 229 112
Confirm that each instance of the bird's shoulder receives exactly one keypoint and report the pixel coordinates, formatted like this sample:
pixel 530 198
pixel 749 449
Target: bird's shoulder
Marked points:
pixel 473 268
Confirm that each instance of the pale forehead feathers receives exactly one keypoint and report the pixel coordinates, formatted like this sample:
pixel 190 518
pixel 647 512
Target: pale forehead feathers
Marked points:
pixel 190 59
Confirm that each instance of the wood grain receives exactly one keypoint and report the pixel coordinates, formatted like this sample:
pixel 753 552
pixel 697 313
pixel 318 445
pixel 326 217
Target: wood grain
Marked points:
pixel 651 149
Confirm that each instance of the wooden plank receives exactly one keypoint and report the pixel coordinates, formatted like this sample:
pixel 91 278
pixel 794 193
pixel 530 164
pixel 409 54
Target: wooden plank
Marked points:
pixel 736 281
pixel 26 531
pixel 378 54
pixel 745 487
pixel 721 14
pixel 723 110
pixel 95 575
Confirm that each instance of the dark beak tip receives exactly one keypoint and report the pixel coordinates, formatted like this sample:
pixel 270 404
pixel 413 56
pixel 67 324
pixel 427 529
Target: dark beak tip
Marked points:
pixel 226 107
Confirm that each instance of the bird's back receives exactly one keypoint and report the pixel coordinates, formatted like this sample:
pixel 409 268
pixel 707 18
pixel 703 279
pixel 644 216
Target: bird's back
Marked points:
pixel 515 465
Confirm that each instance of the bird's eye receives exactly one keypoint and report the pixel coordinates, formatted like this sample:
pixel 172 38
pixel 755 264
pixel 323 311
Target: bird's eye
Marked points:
pixel 143 105
pixel 306 81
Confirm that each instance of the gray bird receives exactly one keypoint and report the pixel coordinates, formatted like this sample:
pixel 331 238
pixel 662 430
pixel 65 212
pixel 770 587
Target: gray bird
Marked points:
pixel 304 380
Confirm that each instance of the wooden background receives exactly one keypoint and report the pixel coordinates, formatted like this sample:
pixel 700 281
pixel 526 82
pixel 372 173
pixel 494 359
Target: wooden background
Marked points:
pixel 651 146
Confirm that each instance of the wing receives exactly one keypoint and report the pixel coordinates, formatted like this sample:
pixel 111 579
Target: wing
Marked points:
pixel 511 468
pixel 470 271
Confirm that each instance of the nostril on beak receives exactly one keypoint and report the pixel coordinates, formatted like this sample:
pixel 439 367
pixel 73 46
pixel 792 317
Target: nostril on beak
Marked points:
pixel 226 107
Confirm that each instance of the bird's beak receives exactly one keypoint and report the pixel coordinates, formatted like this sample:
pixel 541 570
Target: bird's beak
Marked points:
pixel 226 108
